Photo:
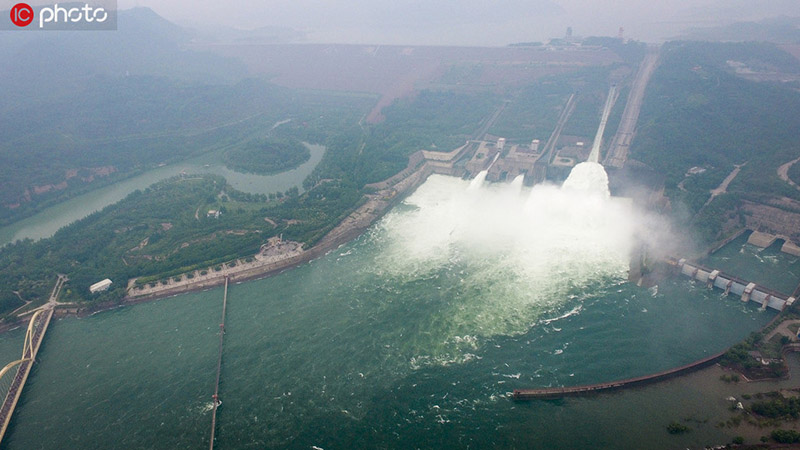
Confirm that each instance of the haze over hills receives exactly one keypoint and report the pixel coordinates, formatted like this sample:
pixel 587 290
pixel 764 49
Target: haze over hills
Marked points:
pixel 412 22
pixel 426 263
pixel 87 107
pixel 779 29
pixel 142 99
pixel 110 94
pixel 144 44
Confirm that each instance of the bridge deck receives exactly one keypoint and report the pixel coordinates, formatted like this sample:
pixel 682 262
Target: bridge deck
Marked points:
pixel 215 397
pixel 36 331
pixel 15 391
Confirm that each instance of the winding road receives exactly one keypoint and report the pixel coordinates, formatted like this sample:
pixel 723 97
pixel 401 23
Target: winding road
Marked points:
pixel 723 187
pixel 783 172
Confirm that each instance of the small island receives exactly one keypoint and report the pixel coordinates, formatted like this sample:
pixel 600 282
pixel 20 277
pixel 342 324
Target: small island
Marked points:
pixel 267 156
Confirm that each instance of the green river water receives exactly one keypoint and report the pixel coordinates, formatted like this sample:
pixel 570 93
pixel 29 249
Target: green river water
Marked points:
pixel 384 343
pixel 47 222
pixel 765 266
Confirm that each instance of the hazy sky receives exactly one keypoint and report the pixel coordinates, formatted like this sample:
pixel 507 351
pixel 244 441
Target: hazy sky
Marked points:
pixel 466 22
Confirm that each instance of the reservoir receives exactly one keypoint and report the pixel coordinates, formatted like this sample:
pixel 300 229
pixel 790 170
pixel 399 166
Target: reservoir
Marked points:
pixel 412 335
pixel 47 222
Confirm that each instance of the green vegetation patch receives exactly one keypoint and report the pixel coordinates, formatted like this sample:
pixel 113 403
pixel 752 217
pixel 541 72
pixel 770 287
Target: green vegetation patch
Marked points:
pixel 777 408
pixel 163 232
pixel 431 120
pixel 113 127
pixel 267 156
pixel 786 436
pixel 698 113
pixel 677 428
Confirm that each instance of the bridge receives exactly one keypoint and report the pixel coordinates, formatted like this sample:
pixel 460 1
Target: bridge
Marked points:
pixel 15 373
pixel 215 397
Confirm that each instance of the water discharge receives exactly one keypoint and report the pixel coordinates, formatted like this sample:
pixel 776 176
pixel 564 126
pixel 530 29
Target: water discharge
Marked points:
pixel 478 181
pixel 588 179
pixel 410 336
pixel 518 255
pixel 516 183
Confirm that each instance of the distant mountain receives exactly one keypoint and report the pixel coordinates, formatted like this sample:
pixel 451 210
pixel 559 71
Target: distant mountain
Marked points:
pixel 262 35
pixel 782 30
pixel 729 11
pixel 144 44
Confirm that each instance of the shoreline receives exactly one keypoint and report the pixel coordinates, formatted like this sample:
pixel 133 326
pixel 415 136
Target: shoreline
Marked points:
pixel 531 394
pixel 388 193
pixel 351 227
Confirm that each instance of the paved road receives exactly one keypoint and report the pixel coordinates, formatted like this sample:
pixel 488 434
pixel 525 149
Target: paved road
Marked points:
pixel 618 152
pixel 723 187
pixel 783 329
pixel 783 172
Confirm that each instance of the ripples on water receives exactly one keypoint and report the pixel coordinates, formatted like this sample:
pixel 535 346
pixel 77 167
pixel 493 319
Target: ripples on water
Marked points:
pixel 410 336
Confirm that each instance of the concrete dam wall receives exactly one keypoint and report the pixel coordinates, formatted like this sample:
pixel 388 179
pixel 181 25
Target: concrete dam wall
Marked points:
pixel 746 290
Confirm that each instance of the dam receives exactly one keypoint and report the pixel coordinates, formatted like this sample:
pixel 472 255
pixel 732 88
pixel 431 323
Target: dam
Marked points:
pixel 362 347
pixel 729 284
pixel 413 334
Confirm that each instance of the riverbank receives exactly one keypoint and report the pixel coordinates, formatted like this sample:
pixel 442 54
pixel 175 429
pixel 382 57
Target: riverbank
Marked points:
pixel 273 257
pixel 277 257
pixel 46 222
pixel 714 409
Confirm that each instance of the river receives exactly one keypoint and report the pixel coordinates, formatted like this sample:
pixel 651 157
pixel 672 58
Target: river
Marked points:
pixel 371 347
pixel 764 266
pixel 47 222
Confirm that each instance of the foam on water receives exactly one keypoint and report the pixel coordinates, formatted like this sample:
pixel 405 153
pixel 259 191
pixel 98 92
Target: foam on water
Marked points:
pixel 588 179
pixel 513 256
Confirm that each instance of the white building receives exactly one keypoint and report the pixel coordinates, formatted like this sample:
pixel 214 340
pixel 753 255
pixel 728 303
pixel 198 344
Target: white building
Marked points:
pixel 100 286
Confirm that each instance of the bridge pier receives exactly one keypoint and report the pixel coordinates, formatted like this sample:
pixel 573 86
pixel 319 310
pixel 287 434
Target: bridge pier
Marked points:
pixel 712 277
pixel 748 291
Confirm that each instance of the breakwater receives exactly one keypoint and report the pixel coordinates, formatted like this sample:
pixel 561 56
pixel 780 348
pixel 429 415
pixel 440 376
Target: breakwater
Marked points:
pixel 558 392
pixel 747 291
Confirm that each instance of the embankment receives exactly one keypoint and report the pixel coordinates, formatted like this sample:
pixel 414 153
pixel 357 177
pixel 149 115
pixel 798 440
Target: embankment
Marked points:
pixel 355 223
pixel 558 392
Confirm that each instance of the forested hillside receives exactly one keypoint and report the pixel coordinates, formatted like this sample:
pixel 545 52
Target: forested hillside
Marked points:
pixel 699 113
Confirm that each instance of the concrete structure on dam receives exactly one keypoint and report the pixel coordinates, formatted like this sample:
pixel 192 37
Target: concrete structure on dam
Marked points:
pixel 747 291
pixel 764 240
